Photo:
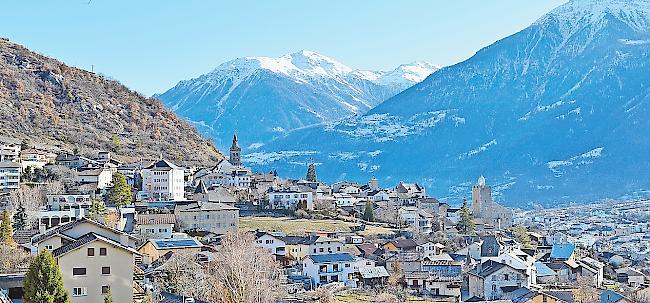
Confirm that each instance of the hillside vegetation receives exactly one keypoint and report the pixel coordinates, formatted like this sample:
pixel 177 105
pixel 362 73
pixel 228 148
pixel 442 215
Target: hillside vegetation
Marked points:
pixel 49 103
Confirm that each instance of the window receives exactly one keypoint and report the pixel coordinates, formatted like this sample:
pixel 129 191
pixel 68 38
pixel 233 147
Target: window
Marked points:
pixel 91 252
pixel 505 277
pixel 48 247
pixel 102 251
pixel 347 264
pixel 338 248
pixel 106 270
pixel 79 271
pixel 320 249
pixel 78 291
pixel 105 289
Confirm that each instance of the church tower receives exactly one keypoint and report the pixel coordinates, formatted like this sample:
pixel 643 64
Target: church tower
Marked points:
pixel 235 152
pixel 373 183
pixel 481 197
pixel 311 171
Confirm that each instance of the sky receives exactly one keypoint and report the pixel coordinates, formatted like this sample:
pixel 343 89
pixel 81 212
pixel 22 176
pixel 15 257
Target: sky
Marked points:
pixel 150 45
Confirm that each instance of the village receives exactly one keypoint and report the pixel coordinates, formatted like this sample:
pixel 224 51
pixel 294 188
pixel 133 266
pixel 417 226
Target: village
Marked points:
pixel 152 231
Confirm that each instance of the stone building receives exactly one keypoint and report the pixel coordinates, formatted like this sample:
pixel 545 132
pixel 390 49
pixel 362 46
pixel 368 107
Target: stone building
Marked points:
pixel 486 210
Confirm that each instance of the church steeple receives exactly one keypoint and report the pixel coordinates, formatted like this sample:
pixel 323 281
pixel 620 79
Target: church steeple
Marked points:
pixel 235 152
pixel 311 171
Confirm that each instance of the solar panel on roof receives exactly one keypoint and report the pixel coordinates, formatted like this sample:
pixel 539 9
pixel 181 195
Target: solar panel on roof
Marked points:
pixel 174 243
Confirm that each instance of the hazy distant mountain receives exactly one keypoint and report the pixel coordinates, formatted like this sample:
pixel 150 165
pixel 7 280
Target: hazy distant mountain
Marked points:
pixel 557 112
pixel 261 98
pixel 50 103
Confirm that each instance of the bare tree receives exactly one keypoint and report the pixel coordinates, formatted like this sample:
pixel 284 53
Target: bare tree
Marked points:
pixel 585 291
pixel 66 176
pixel 54 187
pixel 185 277
pixel 325 295
pixel 31 198
pixel 244 273
pixel 13 259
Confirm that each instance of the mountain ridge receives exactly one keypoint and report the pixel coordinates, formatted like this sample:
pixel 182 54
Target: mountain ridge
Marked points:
pixel 277 95
pixel 528 112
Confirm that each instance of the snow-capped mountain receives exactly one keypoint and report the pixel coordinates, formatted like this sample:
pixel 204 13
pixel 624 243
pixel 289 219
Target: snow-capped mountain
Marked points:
pixel 261 97
pixel 557 112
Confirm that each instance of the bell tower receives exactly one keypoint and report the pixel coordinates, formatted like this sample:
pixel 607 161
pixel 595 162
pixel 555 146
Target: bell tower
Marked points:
pixel 235 152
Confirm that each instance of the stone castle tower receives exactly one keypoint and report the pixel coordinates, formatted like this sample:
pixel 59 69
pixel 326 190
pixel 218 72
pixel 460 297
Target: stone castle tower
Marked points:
pixel 481 197
pixel 235 152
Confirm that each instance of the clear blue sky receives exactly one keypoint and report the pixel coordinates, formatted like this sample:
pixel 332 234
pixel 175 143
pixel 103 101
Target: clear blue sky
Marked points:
pixel 151 45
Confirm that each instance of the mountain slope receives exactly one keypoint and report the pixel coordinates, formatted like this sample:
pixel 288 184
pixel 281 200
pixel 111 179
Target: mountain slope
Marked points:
pixel 557 112
pixel 48 102
pixel 261 98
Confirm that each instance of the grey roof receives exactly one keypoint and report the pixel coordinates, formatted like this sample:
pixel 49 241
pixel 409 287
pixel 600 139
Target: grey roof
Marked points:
pixel 61 228
pixel 488 268
pixel 373 272
pixel 200 188
pixel 300 240
pixel 85 239
pixel 163 164
pixel 148 219
pixel 328 258
pixel 204 206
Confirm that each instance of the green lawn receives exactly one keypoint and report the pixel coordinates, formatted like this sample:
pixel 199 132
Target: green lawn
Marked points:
pixel 292 226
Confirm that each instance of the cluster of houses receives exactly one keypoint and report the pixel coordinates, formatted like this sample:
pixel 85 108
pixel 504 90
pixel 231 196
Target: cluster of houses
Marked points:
pixel 188 210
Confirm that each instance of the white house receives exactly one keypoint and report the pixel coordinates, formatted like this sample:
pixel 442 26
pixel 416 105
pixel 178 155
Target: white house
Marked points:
pixel 273 242
pixel 61 209
pixel 100 177
pixel 9 175
pixel 420 219
pixel 291 198
pixel 93 258
pixel 9 152
pixel 217 218
pixel 344 200
pixel 36 158
pixel 490 278
pixel 162 180
pixel 327 268
pixel 160 226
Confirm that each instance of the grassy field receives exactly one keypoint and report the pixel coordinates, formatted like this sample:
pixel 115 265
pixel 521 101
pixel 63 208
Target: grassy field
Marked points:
pixel 354 298
pixel 292 226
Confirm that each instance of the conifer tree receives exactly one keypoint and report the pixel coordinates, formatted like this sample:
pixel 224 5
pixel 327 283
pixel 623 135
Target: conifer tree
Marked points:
pixel 311 171
pixel 368 214
pixel 521 234
pixel 97 211
pixel 120 193
pixel 108 298
pixel 20 218
pixel 6 232
pixel 43 282
pixel 466 223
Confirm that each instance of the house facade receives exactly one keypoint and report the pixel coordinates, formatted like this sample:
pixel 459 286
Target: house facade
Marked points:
pixel 163 180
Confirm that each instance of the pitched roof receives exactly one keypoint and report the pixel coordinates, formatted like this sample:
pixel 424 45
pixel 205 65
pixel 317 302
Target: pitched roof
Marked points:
pixel 562 251
pixel 67 226
pixel 610 296
pixel 543 270
pixel 300 240
pixel 204 206
pixel 328 258
pixel 373 272
pixel 200 188
pixel 487 268
pixel 148 219
pixel 163 164
pixel 404 243
pixel 85 239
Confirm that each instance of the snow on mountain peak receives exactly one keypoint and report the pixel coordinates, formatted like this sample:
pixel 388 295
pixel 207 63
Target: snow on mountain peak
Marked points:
pixel 304 65
pixel 578 13
pixel 409 73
